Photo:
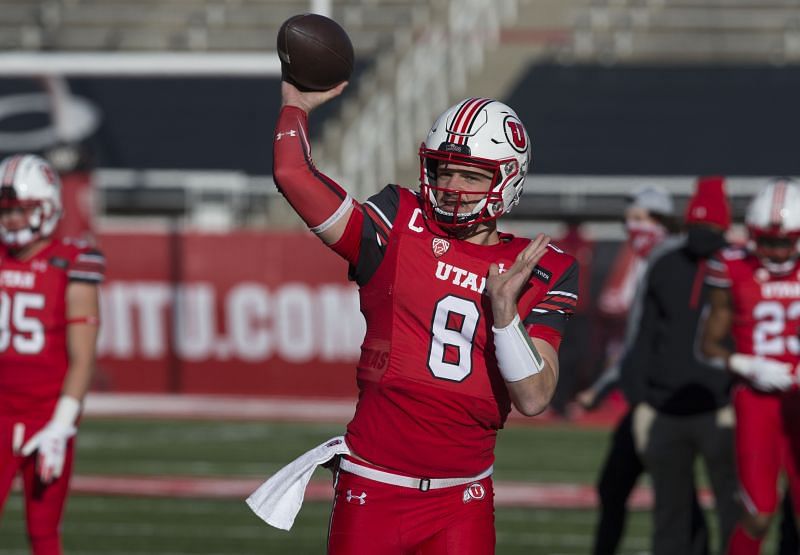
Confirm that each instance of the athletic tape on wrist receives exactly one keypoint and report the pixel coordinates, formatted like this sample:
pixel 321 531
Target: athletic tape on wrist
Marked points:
pixel 67 411
pixel 517 357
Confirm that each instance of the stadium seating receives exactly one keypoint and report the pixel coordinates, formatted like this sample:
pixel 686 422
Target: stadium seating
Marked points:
pixel 416 57
pixel 179 25
pixel 688 30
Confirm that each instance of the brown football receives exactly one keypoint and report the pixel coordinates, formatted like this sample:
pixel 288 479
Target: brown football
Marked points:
pixel 316 53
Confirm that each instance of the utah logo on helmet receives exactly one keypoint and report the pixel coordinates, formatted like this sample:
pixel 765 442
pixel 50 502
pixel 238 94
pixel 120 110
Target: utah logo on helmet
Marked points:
pixel 484 134
pixel 29 184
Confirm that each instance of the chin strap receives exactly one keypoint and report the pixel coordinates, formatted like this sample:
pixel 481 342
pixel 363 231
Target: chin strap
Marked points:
pixel 446 218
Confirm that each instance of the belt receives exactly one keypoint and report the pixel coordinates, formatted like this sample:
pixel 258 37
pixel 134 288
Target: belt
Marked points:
pixel 422 484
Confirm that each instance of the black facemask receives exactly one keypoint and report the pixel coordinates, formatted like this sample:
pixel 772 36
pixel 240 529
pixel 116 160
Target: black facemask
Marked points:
pixel 702 241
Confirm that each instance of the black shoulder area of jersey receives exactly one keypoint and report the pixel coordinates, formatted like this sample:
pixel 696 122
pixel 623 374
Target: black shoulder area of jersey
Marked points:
pixel 383 205
pixel 380 211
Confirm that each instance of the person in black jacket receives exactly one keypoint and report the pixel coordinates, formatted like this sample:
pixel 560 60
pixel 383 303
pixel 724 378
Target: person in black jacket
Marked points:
pixel 652 228
pixel 685 407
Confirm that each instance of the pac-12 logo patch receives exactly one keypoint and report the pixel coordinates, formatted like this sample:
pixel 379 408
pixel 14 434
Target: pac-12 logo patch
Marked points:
pixel 474 491
pixel 439 246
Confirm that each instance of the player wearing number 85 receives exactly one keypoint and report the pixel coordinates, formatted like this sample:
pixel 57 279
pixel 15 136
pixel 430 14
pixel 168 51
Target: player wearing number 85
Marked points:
pixel 48 331
pixel 462 322
pixel 756 298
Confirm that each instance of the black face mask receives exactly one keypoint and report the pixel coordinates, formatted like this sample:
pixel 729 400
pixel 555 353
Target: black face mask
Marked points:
pixel 702 241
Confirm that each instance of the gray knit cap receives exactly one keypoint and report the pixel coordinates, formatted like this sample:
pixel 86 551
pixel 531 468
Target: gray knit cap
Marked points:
pixel 653 198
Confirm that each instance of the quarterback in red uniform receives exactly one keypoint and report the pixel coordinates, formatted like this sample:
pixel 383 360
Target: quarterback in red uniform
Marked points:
pixel 462 322
pixel 757 300
pixel 48 330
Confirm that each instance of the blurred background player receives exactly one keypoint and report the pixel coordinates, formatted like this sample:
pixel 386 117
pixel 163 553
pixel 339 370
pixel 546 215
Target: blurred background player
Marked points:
pixel 48 331
pixel 651 228
pixel 462 321
pixel 756 297
pixel 684 408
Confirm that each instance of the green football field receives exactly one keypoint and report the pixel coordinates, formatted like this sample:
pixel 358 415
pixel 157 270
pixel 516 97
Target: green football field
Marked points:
pixel 127 525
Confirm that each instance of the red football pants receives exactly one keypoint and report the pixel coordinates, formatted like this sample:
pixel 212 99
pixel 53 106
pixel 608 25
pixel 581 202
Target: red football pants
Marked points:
pixel 373 518
pixel 767 441
pixel 44 504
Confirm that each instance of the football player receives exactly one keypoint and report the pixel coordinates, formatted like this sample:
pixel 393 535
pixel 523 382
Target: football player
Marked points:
pixel 756 298
pixel 48 330
pixel 462 322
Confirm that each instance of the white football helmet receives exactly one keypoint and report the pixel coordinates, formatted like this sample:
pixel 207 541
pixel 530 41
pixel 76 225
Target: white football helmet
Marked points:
pixel 480 133
pixel 29 183
pixel 773 220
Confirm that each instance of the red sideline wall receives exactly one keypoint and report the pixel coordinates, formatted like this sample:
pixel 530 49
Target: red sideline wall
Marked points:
pixel 237 313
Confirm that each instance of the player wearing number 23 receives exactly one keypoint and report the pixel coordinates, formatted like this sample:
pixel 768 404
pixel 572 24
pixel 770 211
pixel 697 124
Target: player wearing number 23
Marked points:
pixel 462 322
pixel 48 330
pixel 756 297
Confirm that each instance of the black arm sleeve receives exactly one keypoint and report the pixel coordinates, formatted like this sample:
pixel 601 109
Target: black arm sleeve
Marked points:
pixel 380 211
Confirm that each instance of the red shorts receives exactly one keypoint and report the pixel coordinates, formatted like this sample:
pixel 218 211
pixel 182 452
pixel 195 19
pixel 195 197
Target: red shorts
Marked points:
pixel 373 518
pixel 44 504
pixel 767 441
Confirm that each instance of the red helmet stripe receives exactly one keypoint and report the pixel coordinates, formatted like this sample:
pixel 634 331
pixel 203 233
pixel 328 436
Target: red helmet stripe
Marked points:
pixel 11 170
pixel 486 102
pixel 471 117
pixel 467 115
pixel 462 113
pixel 474 116
pixel 465 119
pixel 778 197
pixel 458 119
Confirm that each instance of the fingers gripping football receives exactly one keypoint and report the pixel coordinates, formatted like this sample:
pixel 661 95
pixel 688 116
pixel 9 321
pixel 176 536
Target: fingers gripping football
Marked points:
pixel 308 101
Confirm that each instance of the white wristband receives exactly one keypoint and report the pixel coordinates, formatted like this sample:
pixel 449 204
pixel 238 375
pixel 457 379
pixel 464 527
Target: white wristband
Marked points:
pixel 517 357
pixel 67 411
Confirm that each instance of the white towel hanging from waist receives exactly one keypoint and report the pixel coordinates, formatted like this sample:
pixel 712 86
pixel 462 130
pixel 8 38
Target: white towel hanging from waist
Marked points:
pixel 278 500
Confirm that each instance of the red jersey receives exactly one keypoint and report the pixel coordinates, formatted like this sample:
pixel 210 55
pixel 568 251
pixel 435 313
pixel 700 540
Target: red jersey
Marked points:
pixel 33 339
pixel 766 309
pixel 431 396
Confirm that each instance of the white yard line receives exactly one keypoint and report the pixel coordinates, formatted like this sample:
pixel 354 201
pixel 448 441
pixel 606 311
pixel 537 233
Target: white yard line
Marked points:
pixel 216 407
pixel 294 409
pixel 138 405
pixel 507 494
